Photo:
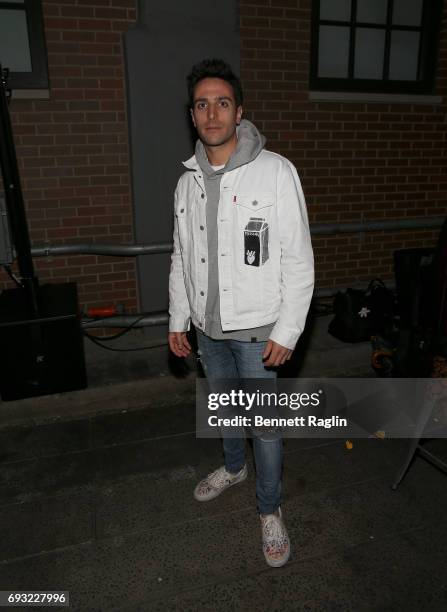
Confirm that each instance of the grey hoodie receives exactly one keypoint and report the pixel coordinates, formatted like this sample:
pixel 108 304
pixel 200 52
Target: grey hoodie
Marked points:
pixel 250 144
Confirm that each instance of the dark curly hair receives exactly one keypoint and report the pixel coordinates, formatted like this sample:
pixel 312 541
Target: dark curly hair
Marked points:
pixel 215 69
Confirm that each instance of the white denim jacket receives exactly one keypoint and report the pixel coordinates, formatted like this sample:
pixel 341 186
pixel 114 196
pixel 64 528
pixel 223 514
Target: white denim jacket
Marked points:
pixel 266 268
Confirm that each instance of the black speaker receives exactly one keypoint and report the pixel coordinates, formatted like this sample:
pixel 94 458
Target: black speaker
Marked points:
pixel 40 356
pixel 413 269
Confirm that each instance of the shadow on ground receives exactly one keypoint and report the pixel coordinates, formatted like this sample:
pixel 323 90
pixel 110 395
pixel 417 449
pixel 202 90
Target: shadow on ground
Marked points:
pixel 100 504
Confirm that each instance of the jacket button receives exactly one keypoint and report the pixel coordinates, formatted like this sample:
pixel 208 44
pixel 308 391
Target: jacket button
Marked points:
pixel 202 196
pixel 203 260
pixel 182 210
pixel 201 293
pixel 202 228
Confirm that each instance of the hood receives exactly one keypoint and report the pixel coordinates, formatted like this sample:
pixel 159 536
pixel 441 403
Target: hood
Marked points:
pixel 250 143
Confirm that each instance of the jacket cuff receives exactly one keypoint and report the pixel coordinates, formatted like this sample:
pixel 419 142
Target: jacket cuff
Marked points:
pixel 285 336
pixel 179 323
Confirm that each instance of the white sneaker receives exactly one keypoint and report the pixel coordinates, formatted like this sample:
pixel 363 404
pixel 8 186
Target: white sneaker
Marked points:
pixel 275 539
pixel 217 482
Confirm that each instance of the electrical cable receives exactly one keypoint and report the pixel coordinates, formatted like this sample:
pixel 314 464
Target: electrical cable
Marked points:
pixel 122 332
pixel 321 311
pixel 95 340
pixel 123 350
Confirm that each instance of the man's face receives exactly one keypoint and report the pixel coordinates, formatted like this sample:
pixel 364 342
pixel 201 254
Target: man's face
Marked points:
pixel 214 112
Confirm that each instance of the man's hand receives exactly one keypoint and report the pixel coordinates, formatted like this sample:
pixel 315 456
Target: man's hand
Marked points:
pixel 178 343
pixel 275 354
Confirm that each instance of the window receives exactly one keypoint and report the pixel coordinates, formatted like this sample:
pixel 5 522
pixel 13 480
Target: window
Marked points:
pixel 22 44
pixel 387 46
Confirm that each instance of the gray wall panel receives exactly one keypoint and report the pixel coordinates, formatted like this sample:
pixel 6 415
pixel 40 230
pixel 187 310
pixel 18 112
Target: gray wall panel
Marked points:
pixel 160 52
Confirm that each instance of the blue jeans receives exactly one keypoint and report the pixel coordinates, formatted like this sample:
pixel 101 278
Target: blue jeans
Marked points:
pixel 235 359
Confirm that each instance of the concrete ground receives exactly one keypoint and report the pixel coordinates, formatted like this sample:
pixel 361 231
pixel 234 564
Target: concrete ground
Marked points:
pixel 96 499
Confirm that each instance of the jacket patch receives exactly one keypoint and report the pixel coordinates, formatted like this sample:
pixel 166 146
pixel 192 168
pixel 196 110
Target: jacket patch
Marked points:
pixel 256 242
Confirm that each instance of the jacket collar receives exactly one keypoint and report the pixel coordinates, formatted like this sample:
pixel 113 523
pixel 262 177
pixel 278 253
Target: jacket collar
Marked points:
pixel 191 163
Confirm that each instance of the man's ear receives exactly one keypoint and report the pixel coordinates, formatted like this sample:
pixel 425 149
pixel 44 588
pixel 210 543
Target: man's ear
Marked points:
pixel 238 115
pixel 192 117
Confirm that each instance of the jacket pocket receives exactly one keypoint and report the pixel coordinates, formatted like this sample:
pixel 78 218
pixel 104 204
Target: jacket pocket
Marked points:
pixel 254 202
pixel 254 212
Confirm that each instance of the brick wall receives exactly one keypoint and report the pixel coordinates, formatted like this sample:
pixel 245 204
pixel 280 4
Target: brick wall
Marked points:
pixel 357 162
pixel 73 149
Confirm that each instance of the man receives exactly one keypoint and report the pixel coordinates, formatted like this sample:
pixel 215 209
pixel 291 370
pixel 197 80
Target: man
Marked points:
pixel 242 272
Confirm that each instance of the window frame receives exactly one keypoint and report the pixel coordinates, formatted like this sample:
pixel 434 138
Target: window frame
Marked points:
pixel 38 77
pixel 427 61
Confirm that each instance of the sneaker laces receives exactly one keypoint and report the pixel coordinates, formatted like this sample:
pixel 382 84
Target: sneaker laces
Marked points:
pixel 219 477
pixel 273 530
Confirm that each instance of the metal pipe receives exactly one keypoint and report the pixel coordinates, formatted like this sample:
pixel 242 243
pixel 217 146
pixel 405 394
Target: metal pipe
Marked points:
pixel 162 317
pixel 147 320
pixel 123 250
pixel 372 226
pixel 132 250
pixel 327 292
